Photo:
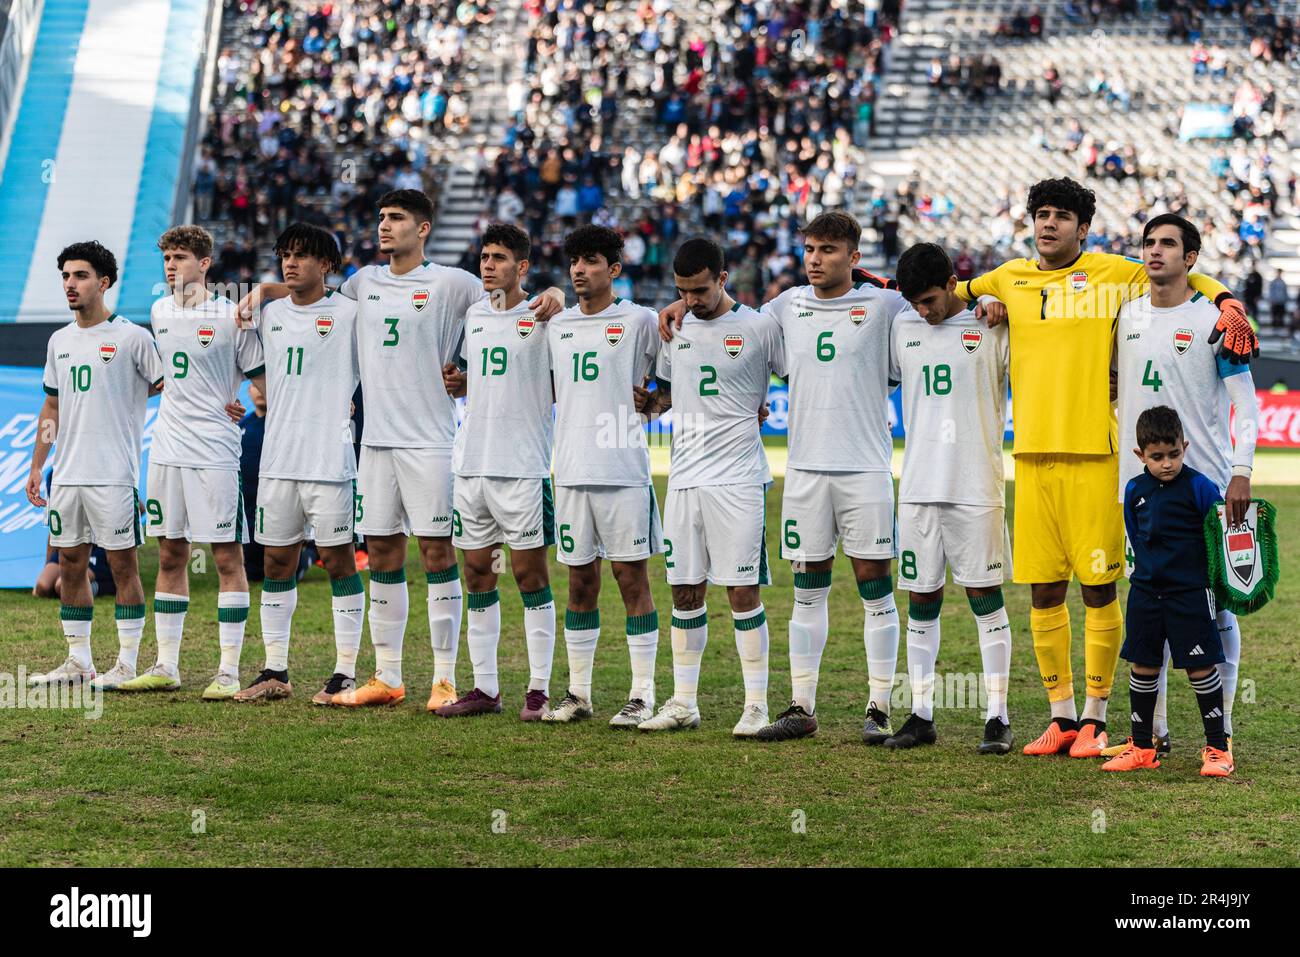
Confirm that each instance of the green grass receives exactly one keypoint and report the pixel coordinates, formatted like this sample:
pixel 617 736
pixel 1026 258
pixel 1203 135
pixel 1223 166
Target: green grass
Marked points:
pixel 287 783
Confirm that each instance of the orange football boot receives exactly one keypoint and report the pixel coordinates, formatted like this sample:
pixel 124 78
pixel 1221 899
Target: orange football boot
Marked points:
pixel 1132 758
pixel 1216 763
pixel 373 692
pixel 442 693
pixel 1090 742
pixel 1052 741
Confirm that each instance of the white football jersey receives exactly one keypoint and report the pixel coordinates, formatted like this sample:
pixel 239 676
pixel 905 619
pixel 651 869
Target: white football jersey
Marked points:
pixel 1165 358
pixel 595 361
pixel 311 372
pixel 101 376
pixel 837 353
pixel 507 428
pixel 954 380
pixel 408 328
pixel 719 370
pixel 204 356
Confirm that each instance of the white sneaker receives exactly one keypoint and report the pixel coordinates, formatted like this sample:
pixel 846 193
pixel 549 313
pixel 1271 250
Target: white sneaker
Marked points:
pixel 633 713
pixel 673 716
pixel 751 720
pixel 67 673
pixel 570 708
pixel 114 678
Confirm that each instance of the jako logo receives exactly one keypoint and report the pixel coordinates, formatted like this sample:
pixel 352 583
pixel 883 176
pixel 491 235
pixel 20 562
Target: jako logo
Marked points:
pixel 103 910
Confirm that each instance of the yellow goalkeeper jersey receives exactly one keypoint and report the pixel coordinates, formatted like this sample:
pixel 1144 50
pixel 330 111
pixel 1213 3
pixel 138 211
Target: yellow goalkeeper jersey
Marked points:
pixel 1062 338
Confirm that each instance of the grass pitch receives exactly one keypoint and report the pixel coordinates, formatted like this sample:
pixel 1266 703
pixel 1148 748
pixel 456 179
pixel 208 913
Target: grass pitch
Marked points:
pixel 169 780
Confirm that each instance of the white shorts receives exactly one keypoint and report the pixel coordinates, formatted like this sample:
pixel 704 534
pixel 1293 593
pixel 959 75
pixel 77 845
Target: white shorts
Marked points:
pixel 821 509
pixel 107 515
pixel 972 539
pixel 620 523
pixel 716 533
pixel 490 510
pixel 404 491
pixel 290 511
pixel 198 505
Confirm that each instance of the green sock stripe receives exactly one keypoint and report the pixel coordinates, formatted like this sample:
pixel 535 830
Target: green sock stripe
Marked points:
pixel 128 612
pixel 483 599
pixel 234 613
pixel 170 606
pixel 76 612
pixel 924 610
pixel 535 599
pixel 348 585
pixel 643 624
pixel 688 623
pixel 986 604
pixel 876 588
pixel 437 578
pixel 749 624
pixel 812 579
pixel 388 578
pixel 279 584
pixel 581 620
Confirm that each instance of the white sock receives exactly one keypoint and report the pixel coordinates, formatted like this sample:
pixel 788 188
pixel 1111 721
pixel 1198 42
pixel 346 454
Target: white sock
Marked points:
pixel 279 599
pixel 445 603
pixel 169 623
pixel 751 645
pixel 232 616
pixel 388 610
pixel 76 629
pixel 995 653
pixel 1094 708
pixel 880 634
pixel 1230 635
pixel 483 634
pixel 1160 720
pixel 809 626
pixel 922 653
pixel 690 635
pixel 642 648
pixel 130 629
pixel 539 636
pixel 349 615
pixel 581 633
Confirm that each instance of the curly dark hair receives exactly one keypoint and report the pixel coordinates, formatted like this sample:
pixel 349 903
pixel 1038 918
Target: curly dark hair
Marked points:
pixel 100 257
pixel 511 237
pixel 308 240
pixel 922 267
pixel 593 240
pixel 1063 194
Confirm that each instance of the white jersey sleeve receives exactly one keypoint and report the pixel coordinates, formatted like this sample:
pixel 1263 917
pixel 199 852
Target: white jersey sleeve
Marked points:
pixel 1245 410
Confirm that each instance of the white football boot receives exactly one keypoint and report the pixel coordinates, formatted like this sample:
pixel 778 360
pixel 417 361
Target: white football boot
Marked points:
pixel 752 720
pixel 633 713
pixel 570 708
pixel 673 716
pixel 65 674
pixel 114 678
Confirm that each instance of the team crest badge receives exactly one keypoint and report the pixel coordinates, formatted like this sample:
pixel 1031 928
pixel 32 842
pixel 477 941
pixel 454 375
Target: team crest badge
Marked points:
pixel 971 339
pixel 1182 340
pixel 1078 280
pixel 206 335
pixel 107 351
pixel 857 314
pixel 525 325
pixel 324 324
pixel 420 299
pixel 613 333
pixel 1241 552
pixel 733 345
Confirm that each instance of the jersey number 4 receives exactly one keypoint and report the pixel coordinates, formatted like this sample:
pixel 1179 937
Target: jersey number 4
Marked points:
pixel 1151 377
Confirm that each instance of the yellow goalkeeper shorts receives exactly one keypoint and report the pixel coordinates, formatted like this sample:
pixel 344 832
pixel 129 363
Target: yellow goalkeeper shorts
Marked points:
pixel 1067 519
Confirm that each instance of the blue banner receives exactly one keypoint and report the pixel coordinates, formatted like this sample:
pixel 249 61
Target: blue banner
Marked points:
pixel 1205 121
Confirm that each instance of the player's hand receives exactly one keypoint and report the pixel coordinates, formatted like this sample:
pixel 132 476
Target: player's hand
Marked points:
pixel 1114 384
pixel 235 411
pixel 670 318
pixel 547 304
pixel 34 489
pixel 1237 499
pixel 1239 339
pixel 992 310
pixel 763 413
pixel 249 311
pixel 454 380
pixel 642 397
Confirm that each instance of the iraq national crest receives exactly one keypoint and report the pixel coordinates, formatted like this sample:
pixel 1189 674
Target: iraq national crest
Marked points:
pixel 857 314
pixel 733 344
pixel 106 352
pixel 206 334
pixel 1243 557
pixel 613 333
pixel 419 299
pixel 971 339
pixel 324 325
pixel 524 325
pixel 1182 340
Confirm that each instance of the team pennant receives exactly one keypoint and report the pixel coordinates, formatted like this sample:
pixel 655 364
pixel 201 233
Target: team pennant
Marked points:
pixel 1243 557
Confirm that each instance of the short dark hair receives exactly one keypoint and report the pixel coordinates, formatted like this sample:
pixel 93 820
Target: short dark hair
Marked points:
pixel 835 225
pixel 697 254
pixel 1191 235
pixel 593 240
pixel 1159 424
pixel 511 237
pixel 922 267
pixel 1063 194
pixel 100 257
pixel 412 200
pixel 308 240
